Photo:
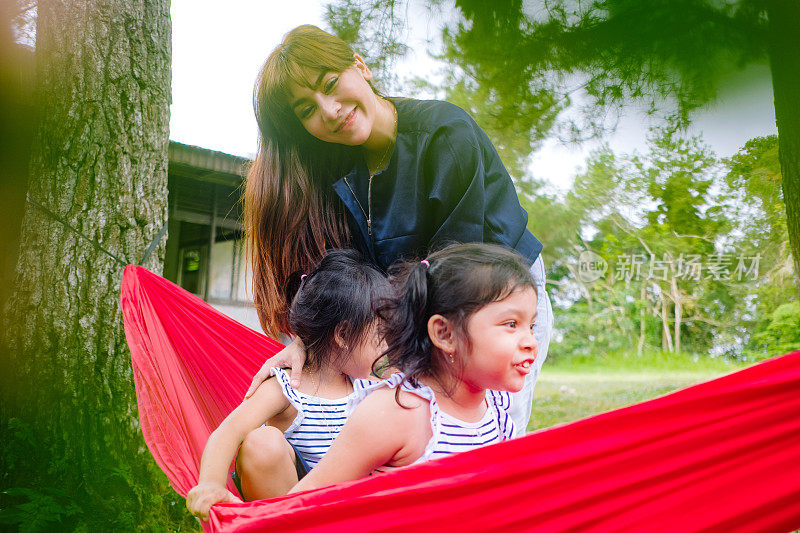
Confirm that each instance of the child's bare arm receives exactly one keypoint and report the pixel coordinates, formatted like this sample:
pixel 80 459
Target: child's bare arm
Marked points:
pixel 221 446
pixel 378 431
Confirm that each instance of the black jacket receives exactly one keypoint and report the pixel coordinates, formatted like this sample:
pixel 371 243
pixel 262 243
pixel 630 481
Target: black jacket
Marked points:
pixel 444 183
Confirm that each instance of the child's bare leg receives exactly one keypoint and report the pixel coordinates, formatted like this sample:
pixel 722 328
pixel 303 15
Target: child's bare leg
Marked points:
pixel 265 464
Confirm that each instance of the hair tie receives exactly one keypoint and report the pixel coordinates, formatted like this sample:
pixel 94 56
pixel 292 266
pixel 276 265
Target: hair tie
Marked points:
pixel 426 263
pixel 303 277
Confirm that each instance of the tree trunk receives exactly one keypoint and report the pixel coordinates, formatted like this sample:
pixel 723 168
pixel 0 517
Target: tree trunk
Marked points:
pixel 99 162
pixel 784 56
pixel 642 316
pixel 666 339
pixel 676 298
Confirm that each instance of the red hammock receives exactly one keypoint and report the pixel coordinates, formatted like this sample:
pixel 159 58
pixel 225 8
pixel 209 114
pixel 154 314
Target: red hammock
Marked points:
pixel 719 456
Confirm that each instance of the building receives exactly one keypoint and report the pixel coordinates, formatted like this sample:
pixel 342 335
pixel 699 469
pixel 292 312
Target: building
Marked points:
pixel 205 247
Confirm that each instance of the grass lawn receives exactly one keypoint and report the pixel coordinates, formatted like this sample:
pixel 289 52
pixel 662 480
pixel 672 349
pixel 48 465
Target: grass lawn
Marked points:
pixel 574 389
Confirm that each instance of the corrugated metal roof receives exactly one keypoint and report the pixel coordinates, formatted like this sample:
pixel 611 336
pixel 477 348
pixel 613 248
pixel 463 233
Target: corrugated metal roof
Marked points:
pixel 203 159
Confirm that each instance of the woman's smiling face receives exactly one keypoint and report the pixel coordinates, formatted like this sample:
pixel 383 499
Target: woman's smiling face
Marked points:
pixel 340 107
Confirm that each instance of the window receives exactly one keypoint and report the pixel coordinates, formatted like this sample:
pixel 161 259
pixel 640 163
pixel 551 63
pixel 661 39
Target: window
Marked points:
pixel 205 248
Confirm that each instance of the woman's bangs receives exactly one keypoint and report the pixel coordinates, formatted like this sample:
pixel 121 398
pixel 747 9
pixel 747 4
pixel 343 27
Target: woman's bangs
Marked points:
pixel 301 74
pixel 308 71
pixel 291 72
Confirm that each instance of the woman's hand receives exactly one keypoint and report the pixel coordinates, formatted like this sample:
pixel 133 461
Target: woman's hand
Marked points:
pixel 294 356
pixel 204 495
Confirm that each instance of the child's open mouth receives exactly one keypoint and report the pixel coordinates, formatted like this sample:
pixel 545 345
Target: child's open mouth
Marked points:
pixel 525 366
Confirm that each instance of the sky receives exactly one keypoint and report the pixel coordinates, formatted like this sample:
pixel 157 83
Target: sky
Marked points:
pixel 219 47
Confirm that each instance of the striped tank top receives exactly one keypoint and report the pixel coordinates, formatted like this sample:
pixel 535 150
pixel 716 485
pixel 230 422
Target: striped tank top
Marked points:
pixel 318 420
pixel 450 434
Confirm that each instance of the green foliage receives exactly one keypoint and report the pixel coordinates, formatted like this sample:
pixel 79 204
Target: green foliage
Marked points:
pixel 679 173
pixel 25 454
pixel 755 171
pixel 670 208
pixel 373 30
pixel 649 361
pixel 584 333
pixel 781 333
pixel 758 214
pixel 131 495
pixel 670 55
pixel 657 51
pixel 754 177
pixel 40 511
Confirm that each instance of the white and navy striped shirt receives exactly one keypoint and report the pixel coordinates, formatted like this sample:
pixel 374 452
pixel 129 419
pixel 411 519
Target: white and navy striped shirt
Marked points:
pixel 459 436
pixel 449 434
pixel 318 420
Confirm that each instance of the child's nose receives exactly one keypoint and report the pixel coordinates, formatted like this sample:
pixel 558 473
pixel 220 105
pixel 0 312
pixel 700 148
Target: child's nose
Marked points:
pixel 529 342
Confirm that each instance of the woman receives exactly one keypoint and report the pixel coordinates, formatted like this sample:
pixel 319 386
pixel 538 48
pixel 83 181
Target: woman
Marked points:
pixel 339 165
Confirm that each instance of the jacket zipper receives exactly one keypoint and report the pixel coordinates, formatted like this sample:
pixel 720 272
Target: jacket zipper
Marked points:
pixel 368 213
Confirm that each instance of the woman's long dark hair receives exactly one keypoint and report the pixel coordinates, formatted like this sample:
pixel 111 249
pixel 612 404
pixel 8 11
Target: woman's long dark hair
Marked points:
pixel 338 297
pixel 460 280
pixel 291 213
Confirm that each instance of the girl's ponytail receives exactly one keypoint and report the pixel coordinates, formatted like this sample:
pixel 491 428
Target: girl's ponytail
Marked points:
pixel 405 321
pixel 415 300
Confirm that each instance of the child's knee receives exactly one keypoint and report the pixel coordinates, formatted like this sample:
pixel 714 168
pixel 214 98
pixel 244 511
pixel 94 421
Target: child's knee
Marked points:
pixel 264 449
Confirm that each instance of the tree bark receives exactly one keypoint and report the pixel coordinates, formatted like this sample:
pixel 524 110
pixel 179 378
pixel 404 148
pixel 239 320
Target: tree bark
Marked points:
pixel 676 298
pixel 666 339
pixel 784 56
pixel 99 162
pixel 642 325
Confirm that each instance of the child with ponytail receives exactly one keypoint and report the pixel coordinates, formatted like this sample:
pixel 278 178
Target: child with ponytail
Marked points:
pixel 459 328
pixel 281 432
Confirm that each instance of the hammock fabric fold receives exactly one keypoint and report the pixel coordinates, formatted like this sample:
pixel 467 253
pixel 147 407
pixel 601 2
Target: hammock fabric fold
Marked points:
pixel 719 456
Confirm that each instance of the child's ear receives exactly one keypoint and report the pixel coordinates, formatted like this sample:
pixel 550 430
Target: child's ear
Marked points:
pixel 442 333
pixel 338 338
pixel 362 67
